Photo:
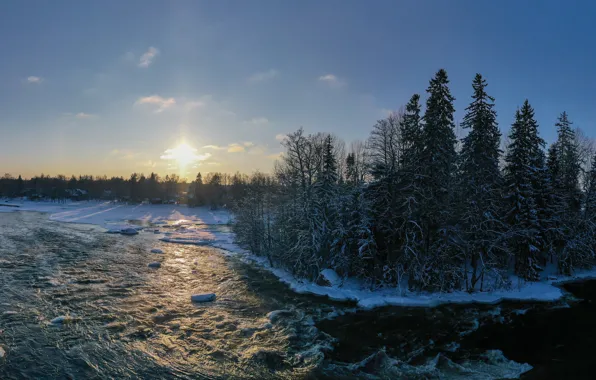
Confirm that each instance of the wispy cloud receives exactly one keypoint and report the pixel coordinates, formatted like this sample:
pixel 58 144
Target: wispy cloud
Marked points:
pixel 148 57
pixel 156 100
pixel 332 80
pixel 264 76
pixel 258 121
pixel 34 80
pixel 280 137
pixel 83 115
pixel 214 147
pixel 235 148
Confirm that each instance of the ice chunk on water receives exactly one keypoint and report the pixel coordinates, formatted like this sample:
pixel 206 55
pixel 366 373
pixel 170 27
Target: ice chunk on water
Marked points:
pixel 129 231
pixel 207 297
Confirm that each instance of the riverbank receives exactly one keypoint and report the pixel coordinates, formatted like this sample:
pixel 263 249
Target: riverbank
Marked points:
pixel 184 225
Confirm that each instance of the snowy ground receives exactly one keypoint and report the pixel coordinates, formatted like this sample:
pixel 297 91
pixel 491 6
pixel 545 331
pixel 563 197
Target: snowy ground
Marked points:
pixel 182 225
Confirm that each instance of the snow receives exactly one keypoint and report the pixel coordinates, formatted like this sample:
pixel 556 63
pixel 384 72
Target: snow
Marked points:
pixel 331 277
pixel 199 226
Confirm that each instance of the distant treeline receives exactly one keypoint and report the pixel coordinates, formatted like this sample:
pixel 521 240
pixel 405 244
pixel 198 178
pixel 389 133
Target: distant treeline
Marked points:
pixel 215 190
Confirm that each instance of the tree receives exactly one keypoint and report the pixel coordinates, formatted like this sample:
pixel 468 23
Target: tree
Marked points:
pixel 481 182
pixel 199 196
pixel 438 161
pixel 20 186
pixel 569 164
pixel 590 200
pixel 522 171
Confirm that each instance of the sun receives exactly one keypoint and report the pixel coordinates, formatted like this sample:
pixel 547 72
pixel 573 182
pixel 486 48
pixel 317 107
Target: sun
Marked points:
pixel 184 154
pixel 185 157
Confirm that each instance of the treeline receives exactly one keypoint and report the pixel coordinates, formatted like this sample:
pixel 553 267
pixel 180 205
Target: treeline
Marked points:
pixel 216 190
pixel 416 207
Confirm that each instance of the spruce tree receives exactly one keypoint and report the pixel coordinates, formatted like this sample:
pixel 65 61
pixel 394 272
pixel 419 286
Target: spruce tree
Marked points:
pixel 438 161
pixel 590 202
pixel 410 133
pixel 481 181
pixel 569 164
pixel 199 192
pixel 521 176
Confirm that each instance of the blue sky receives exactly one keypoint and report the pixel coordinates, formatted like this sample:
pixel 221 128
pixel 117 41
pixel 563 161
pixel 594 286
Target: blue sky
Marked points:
pixel 109 86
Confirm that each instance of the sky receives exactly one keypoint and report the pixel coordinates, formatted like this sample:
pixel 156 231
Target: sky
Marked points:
pixel 115 87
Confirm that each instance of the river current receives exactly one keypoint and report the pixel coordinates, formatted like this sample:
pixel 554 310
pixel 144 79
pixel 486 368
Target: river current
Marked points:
pixel 124 320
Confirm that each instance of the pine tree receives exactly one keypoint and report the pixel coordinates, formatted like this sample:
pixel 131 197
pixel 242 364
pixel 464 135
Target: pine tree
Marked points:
pixel 438 161
pixel 410 133
pixel 199 191
pixel 20 186
pixel 590 200
pixel 326 197
pixel 522 172
pixel 481 181
pixel 569 164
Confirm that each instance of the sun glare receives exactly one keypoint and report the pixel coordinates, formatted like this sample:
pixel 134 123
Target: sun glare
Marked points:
pixel 184 154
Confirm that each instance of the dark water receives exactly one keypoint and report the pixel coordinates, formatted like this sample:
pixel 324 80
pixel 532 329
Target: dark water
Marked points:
pixel 128 321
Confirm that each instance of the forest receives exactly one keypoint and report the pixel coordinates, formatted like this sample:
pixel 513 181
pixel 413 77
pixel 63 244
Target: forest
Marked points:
pixel 416 207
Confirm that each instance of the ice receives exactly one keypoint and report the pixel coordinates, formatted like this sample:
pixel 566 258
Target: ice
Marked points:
pixel 207 297
pixel 59 320
pixel 129 231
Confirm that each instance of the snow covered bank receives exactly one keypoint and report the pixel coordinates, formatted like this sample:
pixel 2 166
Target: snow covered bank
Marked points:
pixel 110 215
pixel 201 226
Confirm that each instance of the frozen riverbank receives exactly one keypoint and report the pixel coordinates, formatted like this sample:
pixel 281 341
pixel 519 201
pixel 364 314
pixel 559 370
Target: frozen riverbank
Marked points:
pixel 183 225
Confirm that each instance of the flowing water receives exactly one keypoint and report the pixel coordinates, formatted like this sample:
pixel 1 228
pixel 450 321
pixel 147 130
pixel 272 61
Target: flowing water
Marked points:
pixel 127 321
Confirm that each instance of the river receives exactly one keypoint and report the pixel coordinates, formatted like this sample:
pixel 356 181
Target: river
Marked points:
pixel 128 321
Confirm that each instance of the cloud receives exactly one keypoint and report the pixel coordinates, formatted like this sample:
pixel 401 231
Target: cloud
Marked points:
pixel 156 100
pixel 258 121
pixel 280 137
pixel 248 143
pixel 235 148
pixel 214 147
pixel 148 57
pixel 332 80
pixel 264 76
pixel 34 80
pixel 83 115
